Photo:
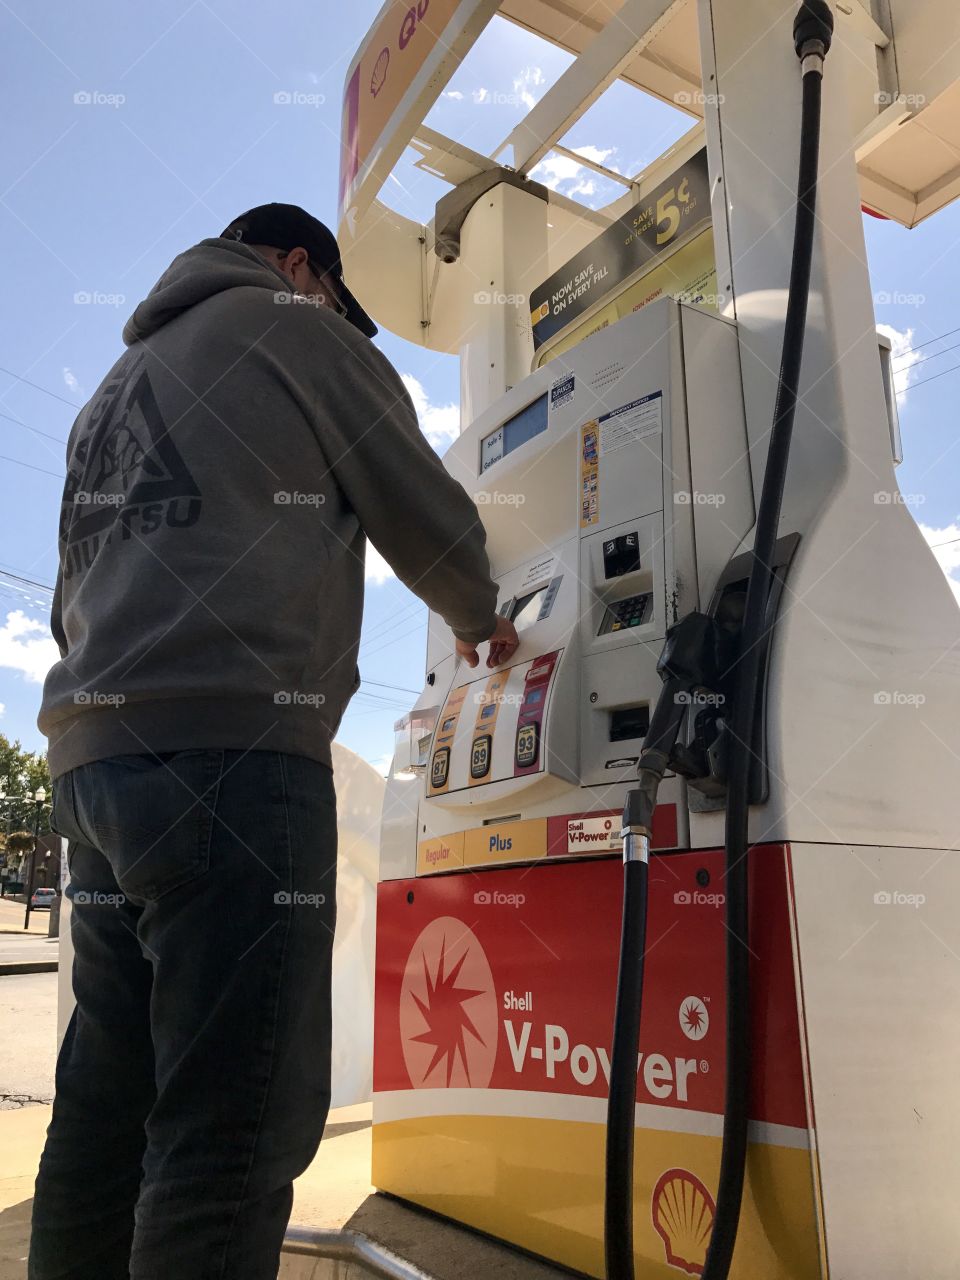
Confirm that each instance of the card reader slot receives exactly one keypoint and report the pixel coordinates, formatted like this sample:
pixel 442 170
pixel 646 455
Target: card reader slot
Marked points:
pixel 629 722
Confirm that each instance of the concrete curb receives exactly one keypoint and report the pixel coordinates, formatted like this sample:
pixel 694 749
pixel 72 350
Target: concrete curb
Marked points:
pixel 29 966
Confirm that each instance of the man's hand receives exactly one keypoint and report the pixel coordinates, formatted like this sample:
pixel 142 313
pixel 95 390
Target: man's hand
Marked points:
pixel 503 645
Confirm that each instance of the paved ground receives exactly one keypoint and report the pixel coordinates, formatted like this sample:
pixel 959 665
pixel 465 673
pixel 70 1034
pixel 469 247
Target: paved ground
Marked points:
pixel 11 918
pixel 28 1034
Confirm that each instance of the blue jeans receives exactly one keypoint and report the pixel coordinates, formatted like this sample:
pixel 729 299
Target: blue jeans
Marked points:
pixel 193 1083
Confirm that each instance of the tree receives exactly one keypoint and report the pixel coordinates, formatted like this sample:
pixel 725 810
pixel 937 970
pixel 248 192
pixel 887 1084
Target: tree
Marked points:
pixel 21 774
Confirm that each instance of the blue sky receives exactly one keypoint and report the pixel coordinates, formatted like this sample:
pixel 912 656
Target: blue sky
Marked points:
pixel 133 132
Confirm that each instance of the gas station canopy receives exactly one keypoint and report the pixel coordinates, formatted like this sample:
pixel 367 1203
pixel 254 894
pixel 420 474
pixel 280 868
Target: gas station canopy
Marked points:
pixel 901 63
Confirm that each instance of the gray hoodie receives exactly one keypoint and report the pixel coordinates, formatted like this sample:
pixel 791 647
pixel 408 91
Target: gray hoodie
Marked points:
pixel 221 485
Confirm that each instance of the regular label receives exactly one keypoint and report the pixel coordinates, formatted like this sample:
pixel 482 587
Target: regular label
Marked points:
pixel 633 421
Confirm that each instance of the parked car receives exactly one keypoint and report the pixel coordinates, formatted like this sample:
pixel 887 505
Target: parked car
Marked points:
pixel 42 897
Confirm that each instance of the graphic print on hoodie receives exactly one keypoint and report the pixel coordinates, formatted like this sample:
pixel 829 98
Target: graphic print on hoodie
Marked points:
pixel 127 471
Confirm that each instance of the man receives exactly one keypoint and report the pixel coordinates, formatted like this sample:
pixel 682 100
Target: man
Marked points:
pixel 221 485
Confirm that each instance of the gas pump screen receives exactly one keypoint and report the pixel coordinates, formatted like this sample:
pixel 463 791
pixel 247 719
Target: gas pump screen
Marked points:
pixel 527 609
pixel 510 435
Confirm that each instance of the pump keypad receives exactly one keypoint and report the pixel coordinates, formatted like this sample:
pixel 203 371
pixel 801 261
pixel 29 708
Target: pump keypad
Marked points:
pixel 623 614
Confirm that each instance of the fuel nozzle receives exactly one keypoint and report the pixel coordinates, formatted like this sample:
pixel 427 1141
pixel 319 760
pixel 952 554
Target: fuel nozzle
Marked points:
pixel 813 29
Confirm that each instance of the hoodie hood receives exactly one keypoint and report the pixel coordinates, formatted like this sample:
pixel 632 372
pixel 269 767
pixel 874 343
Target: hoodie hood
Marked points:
pixel 208 268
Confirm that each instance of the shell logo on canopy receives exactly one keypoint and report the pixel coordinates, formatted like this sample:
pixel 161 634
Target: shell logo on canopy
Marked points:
pixel 448 1009
pixel 683 1211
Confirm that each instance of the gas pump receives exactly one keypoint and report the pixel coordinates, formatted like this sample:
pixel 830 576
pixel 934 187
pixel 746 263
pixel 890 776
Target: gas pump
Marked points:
pixel 630 487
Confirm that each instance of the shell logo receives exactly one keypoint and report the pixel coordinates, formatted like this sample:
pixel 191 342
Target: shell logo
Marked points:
pixel 449 1017
pixel 683 1211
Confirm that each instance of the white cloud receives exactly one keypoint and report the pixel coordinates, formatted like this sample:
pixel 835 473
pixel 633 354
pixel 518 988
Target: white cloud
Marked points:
pixel 948 554
pixel 27 646
pixel 480 95
pixel 529 78
pixel 901 340
pixel 455 94
pixel 376 569
pixel 382 763
pixel 555 170
pixel 70 379
pixel 3 708
pixel 440 423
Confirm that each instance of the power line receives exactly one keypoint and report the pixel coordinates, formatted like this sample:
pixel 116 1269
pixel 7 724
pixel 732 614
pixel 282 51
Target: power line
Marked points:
pixel 400 687
pixel 36 386
pixel 29 582
pixel 909 350
pixel 923 359
pixel 933 377
pixel 57 475
pixel 36 430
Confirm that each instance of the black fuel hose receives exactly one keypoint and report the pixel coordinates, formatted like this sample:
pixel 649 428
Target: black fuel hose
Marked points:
pixel 622 1101
pixel 812 30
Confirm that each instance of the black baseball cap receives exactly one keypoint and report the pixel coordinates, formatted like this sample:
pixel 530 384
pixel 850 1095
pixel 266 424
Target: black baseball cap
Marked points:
pixel 286 227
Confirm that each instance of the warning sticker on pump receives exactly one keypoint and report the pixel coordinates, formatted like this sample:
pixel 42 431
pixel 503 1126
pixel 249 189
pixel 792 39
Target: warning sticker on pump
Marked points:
pixel 561 392
pixel 633 421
